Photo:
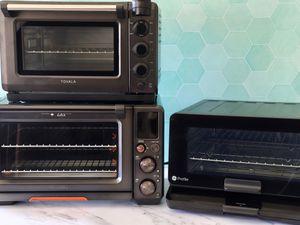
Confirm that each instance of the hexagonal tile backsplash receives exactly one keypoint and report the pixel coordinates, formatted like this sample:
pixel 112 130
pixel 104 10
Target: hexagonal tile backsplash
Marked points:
pixel 228 49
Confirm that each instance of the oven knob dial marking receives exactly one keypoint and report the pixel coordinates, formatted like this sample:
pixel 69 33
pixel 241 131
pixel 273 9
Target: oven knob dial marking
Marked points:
pixel 148 165
pixel 147 187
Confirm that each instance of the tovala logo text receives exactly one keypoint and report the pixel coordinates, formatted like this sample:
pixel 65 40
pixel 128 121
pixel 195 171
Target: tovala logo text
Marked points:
pixel 68 81
pixel 175 178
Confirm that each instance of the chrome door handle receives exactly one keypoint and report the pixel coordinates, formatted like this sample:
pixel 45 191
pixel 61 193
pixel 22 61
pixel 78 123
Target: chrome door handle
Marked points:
pixel 62 7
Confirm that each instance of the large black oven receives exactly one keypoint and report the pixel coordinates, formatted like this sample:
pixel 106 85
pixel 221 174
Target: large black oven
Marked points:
pixel 81 152
pixel 68 51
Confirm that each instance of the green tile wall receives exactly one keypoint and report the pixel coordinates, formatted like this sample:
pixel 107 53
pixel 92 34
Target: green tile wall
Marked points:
pixel 228 49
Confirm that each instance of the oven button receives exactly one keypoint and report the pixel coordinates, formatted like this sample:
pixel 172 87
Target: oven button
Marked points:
pixel 147 187
pixel 140 148
pixel 141 85
pixel 148 165
pixel 155 148
pixel 141 49
pixel 140 69
pixel 141 28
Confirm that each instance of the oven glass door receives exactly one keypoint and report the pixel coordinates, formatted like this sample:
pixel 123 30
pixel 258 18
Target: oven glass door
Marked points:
pixel 205 150
pixel 68 48
pixel 60 150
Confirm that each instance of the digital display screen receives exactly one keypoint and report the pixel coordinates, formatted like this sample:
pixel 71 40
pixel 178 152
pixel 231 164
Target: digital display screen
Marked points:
pixel 147 125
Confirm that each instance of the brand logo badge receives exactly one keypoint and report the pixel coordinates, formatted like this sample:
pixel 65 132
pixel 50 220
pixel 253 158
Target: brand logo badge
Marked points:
pixel 175 178
pixel 68 81
pixel 61 115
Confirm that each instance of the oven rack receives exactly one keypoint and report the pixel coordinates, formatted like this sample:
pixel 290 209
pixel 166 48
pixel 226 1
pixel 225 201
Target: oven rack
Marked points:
pixel 65 147
pixel 247 160
pixel 72 51
pixel 63 166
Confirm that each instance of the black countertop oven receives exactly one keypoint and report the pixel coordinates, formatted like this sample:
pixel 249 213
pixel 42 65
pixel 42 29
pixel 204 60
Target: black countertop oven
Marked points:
pixel 236 157
pixel 81 152
pixel 68 51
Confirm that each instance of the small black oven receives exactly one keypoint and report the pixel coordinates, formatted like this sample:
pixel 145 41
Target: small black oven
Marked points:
pixel 68 51
pixel 236 157
pixel 81 152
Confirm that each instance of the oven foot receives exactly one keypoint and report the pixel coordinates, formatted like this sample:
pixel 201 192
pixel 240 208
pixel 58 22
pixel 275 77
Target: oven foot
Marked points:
pixel 7 203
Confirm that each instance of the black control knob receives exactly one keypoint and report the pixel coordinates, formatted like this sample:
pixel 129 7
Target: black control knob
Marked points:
pixel 141 28
pixel 141 49
pixel 147 187
pixel 141 7
pixel 141 69
pixel 148 165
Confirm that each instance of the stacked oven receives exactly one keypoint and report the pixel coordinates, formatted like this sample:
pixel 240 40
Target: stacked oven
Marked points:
pixel 82 121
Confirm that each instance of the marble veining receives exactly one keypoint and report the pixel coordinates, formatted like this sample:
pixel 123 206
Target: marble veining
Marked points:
pixel 113 213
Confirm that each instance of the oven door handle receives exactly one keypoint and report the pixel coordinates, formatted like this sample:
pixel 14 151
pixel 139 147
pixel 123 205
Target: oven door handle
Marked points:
pixel 15 7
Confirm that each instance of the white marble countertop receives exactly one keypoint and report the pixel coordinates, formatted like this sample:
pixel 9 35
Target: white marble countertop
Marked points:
pixel 112 213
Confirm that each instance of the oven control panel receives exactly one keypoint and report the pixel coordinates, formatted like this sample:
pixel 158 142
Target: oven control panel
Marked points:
pixel 148 155
pixel 143 50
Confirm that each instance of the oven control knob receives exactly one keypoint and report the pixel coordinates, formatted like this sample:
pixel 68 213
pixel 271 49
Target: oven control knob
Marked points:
pixel 141 49
pixel 147 187
pixel 141 28
pixel 147 165
pixel 141 69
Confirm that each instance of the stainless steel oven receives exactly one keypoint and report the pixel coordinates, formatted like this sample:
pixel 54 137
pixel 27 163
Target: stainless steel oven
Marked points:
pixel 68 51
pixel 81 152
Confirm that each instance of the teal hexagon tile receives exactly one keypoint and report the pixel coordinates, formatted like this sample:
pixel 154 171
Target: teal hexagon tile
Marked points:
pixel 215 8
pixel 259 84
pixel 297 30
pixel 282 71
pixel 282 93
pixel 191 17
pixel 171 105
pixel 285 16
pixel 259 57
pixel 214 31
pixel 237 1
pixel 192 1
pixel 296 84
pixel 170 32
pixel 236 71
pixel 238 17
pixel 262 9
pixel 213 58
pixel 169 83
pixel 190 44
pixel 213 84
pixel 171 57
pixel 261 31
pixel 189 94
pixel 190 70
pixel 295 58
pixel 236 92
pixel 237 44
pixel 284 43
pixel 167 11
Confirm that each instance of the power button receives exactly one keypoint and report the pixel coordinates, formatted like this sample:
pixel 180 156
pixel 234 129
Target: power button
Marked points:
pixel 140 148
